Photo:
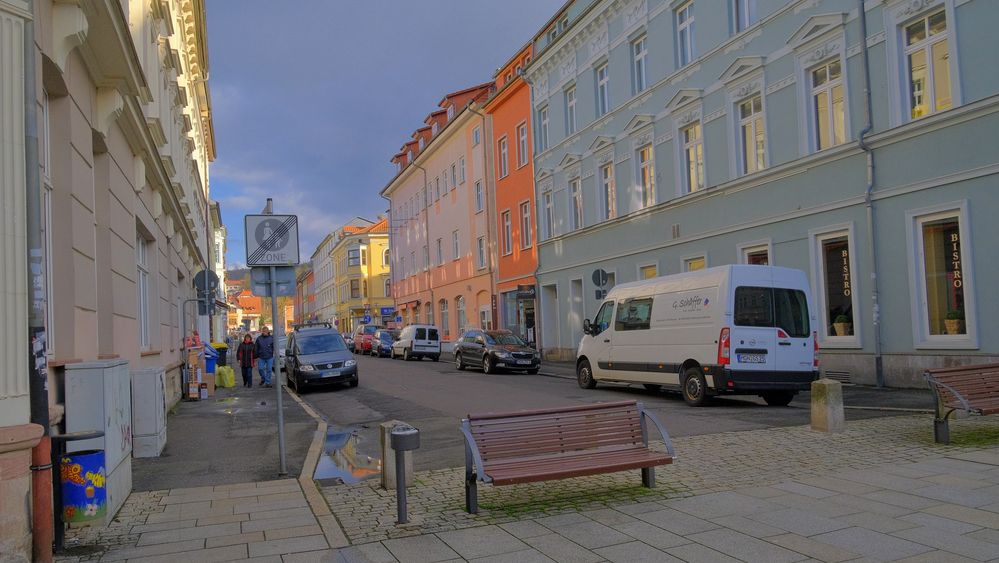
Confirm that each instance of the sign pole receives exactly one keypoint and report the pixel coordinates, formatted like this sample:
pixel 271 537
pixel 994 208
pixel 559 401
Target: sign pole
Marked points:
pixel 278 332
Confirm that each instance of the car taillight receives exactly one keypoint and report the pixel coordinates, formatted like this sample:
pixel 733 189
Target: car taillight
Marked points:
pixel 815 353
pixel 724 347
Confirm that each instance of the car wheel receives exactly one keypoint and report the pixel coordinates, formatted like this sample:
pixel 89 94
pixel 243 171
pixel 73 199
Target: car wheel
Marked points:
pixel 584 375
pixel 405 355
pixel 460 365
pixel 653 387
pixel 695 390
pixel 778 398
pixel 353 382
pixel 487 365
pixel 532 372
pixel 435 358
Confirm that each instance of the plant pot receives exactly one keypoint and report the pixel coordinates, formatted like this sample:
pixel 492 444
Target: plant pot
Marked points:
pixel 954 326
pixel 843 329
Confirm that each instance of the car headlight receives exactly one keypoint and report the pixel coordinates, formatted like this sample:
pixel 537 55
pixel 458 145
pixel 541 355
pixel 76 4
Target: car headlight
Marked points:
pixel 502 354
pixel 350 363
pixel 306 368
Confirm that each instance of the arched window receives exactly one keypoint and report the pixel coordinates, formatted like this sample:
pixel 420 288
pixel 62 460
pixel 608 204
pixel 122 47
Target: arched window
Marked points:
pixel 445 320
pixel 459 305
pixel 386 257
pixel 388 287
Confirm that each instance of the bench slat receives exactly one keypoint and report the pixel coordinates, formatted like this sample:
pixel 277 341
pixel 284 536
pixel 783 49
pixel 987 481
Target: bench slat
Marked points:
pixel 556 429
pixel 967 378
pixel 499 424
pixel 560 410
pixel 553 423
pixel 593 464
pixel 546 458
pixel 554 448
pixel 980 367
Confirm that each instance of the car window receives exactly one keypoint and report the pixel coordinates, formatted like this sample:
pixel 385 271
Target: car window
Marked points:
pixel 603 318
pixel 507 340
pixel 633 314
pixel 791 312
pixel 421 334
pixel 370 329
pixel 432 334
pixel 754 307
pixel 320 343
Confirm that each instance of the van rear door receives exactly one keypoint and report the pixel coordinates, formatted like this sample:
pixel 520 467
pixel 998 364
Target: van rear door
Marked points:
pixel 795 349
pixel 426 340
pixel 753 339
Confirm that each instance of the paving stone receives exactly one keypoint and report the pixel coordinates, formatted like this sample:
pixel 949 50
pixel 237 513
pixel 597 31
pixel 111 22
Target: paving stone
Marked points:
pixel 190 491
pixel 364 553
pixel 697 553
pixel 635 552
pixel 876 522
pixel 824 507
pixel 905 500
pixel 881 477
pixel 744 547
pixel 420 549
pixel 223 519
pixel 949 541
pixel 811 548
pixel 868 505
pixel 798 521
pixel 936 557
pixel 974 516
pixel 754 528
pixel 193 532
pixel 287 545
pixel 525 556
pixel 472 543
pixel 151 550
pixel 652 535
pixel 283 513
pixel 296 532
pixel 837 485
pixel 871 543
pixel 235 539
pixel 525 529
pixel 245 507
pixel 562 550
pixel 957 495
pixel 320 556
pixel 958 481
pixel 276 523
pixel 556 522
pixel 228 553
pixel 592 535
pixel 608 516
pixel 985 534
pixel 677 522
pixel 946 524
pixel 716 505
pixel 161 526
pixel 804 489
pixel 761 492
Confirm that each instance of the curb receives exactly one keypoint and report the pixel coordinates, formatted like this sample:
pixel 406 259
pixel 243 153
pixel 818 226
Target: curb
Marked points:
pixel 335 536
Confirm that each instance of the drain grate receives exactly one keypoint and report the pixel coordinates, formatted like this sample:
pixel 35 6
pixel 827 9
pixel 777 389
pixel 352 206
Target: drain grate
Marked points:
pixel 838 375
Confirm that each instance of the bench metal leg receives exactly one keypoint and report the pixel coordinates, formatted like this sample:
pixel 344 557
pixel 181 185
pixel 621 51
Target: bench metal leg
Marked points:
pixel 649 477
pixel 471 486
pixel 941 431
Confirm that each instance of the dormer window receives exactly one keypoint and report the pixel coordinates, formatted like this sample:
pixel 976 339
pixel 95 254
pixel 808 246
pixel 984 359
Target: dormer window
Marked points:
pixel 434 129
pixel 552 34
pixel 409 156
pixel 422 143
pixel 563 24
pixel 450 112
pixel 519 70
pixel 509 76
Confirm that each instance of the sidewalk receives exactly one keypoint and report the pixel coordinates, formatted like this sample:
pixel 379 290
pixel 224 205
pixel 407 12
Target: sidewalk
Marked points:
pixel 882 490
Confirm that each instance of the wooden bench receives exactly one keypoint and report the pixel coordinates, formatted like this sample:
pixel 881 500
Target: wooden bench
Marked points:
pixel 549 444
pixel 974 389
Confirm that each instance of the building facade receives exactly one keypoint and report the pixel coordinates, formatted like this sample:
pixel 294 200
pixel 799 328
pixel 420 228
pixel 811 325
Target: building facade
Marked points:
pixel 512 144
pixel 362 276
pixel 220 317
pixel 659 150
pixel 441 222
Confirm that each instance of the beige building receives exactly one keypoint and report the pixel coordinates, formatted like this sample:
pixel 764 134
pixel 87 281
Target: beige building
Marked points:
pixel 361 276
pixel 125 139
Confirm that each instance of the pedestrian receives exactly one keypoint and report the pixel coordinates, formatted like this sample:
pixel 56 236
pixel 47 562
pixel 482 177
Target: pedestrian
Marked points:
pixel 246 356
pixel 265 356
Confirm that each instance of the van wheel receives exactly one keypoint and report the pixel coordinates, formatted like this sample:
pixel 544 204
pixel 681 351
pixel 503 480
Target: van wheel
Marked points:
pixel 405 355
pixel 584 376
pixel 436 358
pixel 653 387
pixel 695 390
pixel 458 364
pixel 778 398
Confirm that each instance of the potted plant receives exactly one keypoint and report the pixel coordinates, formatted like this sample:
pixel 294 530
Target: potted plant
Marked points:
pixel 842 325
pixel 954 322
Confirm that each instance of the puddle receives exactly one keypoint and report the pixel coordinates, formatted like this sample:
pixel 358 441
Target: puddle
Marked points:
pixel 341 462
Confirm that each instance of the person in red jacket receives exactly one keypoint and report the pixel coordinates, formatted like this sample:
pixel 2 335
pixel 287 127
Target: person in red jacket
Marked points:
pixel 245 357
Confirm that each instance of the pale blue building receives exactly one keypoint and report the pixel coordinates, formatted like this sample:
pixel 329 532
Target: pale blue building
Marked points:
pixel 675 135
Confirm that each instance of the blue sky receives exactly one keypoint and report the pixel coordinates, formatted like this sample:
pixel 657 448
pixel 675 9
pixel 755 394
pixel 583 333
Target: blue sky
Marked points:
pixel 312 98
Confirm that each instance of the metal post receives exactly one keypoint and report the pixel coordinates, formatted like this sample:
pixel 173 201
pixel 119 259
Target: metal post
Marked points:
pixel 275 372
pixel 400 486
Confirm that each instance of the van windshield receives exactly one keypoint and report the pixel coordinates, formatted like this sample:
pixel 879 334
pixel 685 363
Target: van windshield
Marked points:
pixel 768 307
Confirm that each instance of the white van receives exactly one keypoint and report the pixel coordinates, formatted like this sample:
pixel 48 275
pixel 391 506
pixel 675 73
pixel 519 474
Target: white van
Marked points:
pixel 418 341
pixel 738 329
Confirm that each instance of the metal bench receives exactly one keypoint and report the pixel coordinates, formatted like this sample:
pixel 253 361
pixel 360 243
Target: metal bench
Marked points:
pixel 974 389
pixel 549 444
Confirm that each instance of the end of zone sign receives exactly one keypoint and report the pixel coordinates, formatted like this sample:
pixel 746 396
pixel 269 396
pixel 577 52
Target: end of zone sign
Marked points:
pixel 271 240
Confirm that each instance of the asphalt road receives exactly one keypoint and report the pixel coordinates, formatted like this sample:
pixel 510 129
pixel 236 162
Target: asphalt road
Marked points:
pixel 433 396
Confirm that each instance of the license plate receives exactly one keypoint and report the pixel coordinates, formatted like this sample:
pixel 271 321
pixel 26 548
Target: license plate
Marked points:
pixel 333 373
pixel 752 358
pixel 523 362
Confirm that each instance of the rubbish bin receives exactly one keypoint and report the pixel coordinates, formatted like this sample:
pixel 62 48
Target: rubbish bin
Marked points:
pixel 84 495
pixel 223 351
pixel 209 365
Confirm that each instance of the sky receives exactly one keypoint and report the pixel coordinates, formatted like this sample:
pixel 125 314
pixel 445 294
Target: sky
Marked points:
pixel 311 98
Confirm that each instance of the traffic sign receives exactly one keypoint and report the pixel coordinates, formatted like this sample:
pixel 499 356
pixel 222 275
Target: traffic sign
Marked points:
pixel 600 277
pixel 284 277
pixel 366 319
pixel 271 240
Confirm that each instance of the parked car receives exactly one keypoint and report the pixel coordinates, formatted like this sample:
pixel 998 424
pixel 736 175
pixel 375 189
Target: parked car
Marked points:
pixel 317 355
pixel 493 350
pixel 739 329
pixel 349 339
pixel 381 342
pixel 362 338
pixel 418 341
pixel 281 343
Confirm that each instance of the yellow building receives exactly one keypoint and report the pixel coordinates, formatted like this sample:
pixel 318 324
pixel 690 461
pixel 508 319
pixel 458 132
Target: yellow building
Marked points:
pixel 362 283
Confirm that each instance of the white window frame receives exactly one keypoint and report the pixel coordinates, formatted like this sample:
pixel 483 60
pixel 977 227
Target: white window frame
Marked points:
pixel 577 219
pixel 646 194
pixel 480 246
pixel 526 226
pixel 450 112
pixel 503 161
pixel 744 249
pixel 686 260
pixel 686 146
pixel 523 156
pixel 744 14
pixel 640 267
pixel 543 129
pixel 601 76
pixel 440 252
pixel 476 136
pixel 479 197
pixel 548 205
pixel 914 220
pixel 461 170
pixel 143 311
pixel 827 89
pixel 685 37
pixel 608 191
pixel 455 245
pixel 454 174
pixel 639 70
pixel 507 226
pixel 742 155
pixel 926 46
pixel 570 110
pixel 426 258
pixel 445 318
pixel 816 238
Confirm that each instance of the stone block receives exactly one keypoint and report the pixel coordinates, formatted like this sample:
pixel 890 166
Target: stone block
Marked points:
pixel 827 406
pixel 388 457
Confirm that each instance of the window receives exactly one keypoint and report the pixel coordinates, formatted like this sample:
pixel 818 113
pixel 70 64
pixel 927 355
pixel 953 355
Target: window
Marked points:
pixel 570 111
pixel 364 257
pixel 142 290
pixel 365 285
pixel 445 320
pixel 450 112
pixel 386 257
pixel 638 52
pixel 608 193
pixel 769 307
pixel 478 196
pixel 549 207
pixel 422 143
pixel 647 272
pixel 942 275
pixel 827 105
pixel 603 89
pixel 354 257
pixel 430 321
pixel 454 245
pixel 837 285
pixel 461 170
pixel 412 263
pixel 633 314
pixel 756 255
pixel 504 168
pixel 426 258
pixel 459 305
pixel 543 130
pixel 355 289
pixel 685 33
pixel 927 63
pixel 751 135
pixel 444 175
pixel 522 145
pixel 601 321
pixel 481 248
pixel 693 157
pixel 426 200
pixel 440 252
pixel 507 233
pixel 485 319
pixel 388 287
pixel 744 14
pixel 476 137
pixel 437 189
pixel 525 225
pixel 434 129
pixel 696 263
pixel 454 175
pixel 576 204
pixel 646 176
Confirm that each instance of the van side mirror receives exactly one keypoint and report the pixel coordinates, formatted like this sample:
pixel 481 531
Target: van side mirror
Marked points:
pixel 586 326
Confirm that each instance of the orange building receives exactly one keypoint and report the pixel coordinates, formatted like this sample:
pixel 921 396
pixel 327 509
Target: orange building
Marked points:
pixel 514 206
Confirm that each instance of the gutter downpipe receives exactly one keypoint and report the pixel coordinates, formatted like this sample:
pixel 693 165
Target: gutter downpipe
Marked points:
pixel 42 527
pixel 868 200
pixel 487 134
pixel 426 236
pixel 534 212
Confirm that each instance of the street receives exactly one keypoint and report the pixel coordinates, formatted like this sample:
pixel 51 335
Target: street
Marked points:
pixel 433 396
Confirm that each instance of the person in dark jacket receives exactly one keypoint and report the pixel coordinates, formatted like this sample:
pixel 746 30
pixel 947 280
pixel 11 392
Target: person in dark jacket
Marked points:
pixel 246 356
pixel 265 356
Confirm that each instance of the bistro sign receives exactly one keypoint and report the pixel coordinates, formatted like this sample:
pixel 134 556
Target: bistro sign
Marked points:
pixel 526 292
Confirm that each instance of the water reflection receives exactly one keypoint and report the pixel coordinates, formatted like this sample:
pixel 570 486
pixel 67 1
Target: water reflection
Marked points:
pixel 341 461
